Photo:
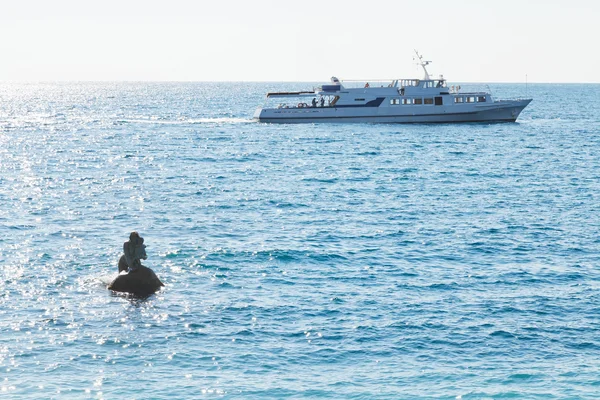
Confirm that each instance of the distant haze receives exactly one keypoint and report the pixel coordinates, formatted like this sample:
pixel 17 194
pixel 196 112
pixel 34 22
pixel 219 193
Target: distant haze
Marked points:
pixel 267 40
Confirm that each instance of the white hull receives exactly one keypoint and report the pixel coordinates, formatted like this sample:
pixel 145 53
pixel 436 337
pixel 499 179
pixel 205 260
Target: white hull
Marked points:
pixel 499 111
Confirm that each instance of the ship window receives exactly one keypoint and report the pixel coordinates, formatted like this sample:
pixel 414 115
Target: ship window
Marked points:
pixel 470 99
pixel 428 100
pixel 394 101
pixel 359 99
pixel 481 99
pixel 419 101
pixel 407 101
pixel 438 101
pixel 458 100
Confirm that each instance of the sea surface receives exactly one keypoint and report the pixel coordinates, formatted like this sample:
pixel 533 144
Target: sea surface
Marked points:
pixel 357 261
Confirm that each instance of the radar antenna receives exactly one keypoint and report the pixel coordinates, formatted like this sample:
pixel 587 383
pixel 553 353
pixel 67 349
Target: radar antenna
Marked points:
pixel 423 64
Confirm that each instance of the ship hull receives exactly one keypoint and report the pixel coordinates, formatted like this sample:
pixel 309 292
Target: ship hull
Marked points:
pixel 499 111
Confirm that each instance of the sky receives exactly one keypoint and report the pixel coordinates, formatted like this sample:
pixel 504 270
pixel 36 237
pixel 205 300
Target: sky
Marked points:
pixel 308 40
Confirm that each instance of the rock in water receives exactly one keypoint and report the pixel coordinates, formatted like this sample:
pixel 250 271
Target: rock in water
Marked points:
pixel 141 282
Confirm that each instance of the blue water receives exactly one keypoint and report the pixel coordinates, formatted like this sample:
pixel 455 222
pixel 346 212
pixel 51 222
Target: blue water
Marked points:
pixel 324 261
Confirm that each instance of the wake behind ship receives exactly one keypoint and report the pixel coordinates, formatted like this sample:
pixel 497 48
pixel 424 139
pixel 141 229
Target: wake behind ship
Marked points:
pixel 394 101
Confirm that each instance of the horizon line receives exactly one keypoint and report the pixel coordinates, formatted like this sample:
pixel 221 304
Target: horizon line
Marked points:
pixel 263 81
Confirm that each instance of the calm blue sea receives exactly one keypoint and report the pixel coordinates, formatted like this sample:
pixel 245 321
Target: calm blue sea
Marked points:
pixel 300 261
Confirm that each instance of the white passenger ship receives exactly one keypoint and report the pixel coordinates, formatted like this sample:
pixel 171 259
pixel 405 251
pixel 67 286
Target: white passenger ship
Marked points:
pixel 394 101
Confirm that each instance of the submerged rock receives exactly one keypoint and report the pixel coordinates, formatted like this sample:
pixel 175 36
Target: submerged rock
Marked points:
pixel 140 282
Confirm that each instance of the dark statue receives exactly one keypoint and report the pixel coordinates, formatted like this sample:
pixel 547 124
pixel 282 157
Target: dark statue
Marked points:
pixel 134 278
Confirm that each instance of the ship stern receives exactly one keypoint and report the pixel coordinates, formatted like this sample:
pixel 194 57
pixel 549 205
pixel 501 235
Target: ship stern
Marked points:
pixel 257 114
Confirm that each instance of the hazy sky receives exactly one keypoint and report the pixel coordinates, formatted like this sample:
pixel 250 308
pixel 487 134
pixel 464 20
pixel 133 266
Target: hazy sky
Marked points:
pixel 307 40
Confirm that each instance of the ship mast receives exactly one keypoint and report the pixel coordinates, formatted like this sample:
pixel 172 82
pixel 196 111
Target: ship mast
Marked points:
pixel 423 64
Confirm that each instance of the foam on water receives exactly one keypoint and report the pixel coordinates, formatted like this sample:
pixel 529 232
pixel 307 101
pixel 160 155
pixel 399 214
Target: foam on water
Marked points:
pixel 222 120
pixel 340 261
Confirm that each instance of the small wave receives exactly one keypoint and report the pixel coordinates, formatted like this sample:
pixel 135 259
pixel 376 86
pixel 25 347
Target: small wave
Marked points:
pixel 443 286
pixel 523 376
pixel 320 180
pixel 280 281
pixel 583 346
pixel 502 334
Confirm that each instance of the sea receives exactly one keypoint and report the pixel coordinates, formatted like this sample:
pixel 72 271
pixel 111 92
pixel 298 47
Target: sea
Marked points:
pixel 342 261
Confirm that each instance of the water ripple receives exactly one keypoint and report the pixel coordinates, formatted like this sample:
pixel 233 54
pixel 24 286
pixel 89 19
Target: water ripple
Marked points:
pixel 341 261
